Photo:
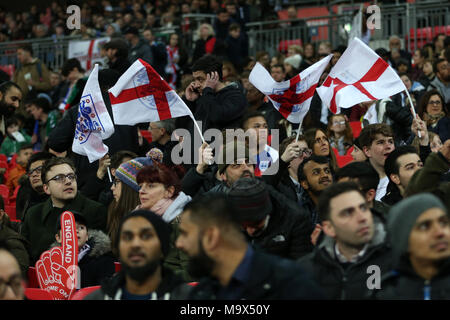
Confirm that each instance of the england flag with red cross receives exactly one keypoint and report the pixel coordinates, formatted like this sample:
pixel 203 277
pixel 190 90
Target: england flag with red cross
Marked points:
pixel 141 95
pixel 360 75
pixel 292 98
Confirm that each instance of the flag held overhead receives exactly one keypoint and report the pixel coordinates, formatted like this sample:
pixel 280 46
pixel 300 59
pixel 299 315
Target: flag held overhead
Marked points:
pixel 360 75
pixel 93 123
pixel 141 95
pixel 292 98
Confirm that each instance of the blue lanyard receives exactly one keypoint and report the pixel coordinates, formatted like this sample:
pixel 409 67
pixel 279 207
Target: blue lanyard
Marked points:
pixel 427 291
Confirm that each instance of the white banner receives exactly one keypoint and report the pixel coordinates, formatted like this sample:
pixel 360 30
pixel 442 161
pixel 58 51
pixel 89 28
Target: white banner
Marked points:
pixel 87 51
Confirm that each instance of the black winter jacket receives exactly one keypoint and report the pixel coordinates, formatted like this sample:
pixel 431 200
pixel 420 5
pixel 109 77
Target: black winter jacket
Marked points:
pixel 341 283
pixel 26 198
pixel 404 284
pixel 172 287
pixel 272 279
pixel 288 233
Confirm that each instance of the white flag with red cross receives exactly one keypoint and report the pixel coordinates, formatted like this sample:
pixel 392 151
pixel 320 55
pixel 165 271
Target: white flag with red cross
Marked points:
pixel 141 95
pixel 292 98
pixel 360 75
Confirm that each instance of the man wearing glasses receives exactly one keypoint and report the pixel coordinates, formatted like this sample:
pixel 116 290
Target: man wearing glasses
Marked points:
pixel 31 191
pixel 59 182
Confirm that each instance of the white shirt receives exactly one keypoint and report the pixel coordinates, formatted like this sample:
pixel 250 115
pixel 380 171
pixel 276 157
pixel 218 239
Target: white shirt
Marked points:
pixel 381 189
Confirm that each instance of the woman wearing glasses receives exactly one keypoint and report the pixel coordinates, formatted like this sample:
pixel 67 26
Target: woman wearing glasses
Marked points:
pixel 433 111
pixel 160 192
pixel 340 133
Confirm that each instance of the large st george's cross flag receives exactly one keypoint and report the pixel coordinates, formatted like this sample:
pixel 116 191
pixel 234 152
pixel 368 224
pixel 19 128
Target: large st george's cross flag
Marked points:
pixel 141 95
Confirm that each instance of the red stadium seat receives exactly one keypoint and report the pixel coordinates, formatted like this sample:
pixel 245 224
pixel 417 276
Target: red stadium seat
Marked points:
pixel 13 198
pixel 32 278
pixel 37 294
pixel 356 128
pixel 4 192
pixel 82 293
pixel 12 162
pixel 11 211
pixel 285 44
pixel 147 135
pixel 118 266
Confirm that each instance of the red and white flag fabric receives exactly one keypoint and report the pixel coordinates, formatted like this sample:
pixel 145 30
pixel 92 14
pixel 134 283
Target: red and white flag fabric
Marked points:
pixel 360 75
pixel 141 95
pixel 93 123
pixel 291 98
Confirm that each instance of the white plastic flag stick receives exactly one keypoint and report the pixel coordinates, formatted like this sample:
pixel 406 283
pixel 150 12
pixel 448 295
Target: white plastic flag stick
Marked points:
pixel 413 111
pixel 109 174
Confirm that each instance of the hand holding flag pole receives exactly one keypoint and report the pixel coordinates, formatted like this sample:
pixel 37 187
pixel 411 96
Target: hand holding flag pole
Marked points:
pixel 413 111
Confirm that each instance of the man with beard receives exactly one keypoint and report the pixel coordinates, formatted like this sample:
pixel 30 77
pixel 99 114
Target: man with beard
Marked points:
pixel 314 175
pixel 143 242
pixel 352 243
pixel 10 98
pixel 270 220
pixel 229 268
pixel 31 191
pixel 59 182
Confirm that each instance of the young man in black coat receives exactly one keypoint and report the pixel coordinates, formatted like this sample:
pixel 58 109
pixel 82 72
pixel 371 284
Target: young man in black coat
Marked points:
pixel 31 191
pixel 353 242
pixel 229 268
pixel 213 103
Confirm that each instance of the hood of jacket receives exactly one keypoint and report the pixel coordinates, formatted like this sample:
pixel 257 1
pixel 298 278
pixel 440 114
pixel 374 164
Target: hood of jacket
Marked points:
pixel 98 241
pixel 378 239
pixel 175 209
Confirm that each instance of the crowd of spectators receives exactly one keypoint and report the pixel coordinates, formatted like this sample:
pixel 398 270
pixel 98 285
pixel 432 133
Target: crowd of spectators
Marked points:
pixel 335 206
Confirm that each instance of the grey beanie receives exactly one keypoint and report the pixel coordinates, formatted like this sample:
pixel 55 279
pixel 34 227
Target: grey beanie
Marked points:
pixel 403 216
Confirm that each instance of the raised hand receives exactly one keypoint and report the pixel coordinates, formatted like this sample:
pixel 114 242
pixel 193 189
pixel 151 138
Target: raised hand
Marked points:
pixel 212 79
pixel 57 268
pixel 191 92
pixel 205 158
pixel 103 165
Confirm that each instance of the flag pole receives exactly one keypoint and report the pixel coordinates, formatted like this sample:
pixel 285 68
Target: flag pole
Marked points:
pixel 198 129
pixel 413 111
pixel 109 174
pixel 298 131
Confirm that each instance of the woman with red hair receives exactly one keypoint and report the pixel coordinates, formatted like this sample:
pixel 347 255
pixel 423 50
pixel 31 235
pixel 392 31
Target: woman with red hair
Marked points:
pixel 160 192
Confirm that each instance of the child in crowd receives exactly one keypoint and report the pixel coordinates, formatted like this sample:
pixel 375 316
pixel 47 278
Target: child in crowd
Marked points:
pixel 15 138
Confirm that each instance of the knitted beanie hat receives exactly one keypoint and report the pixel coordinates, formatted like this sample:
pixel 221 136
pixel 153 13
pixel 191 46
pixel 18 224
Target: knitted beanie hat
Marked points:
pixel 162 228
pixel 128 171
pixel 294 60
pixel 251 199
pixel 403 216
